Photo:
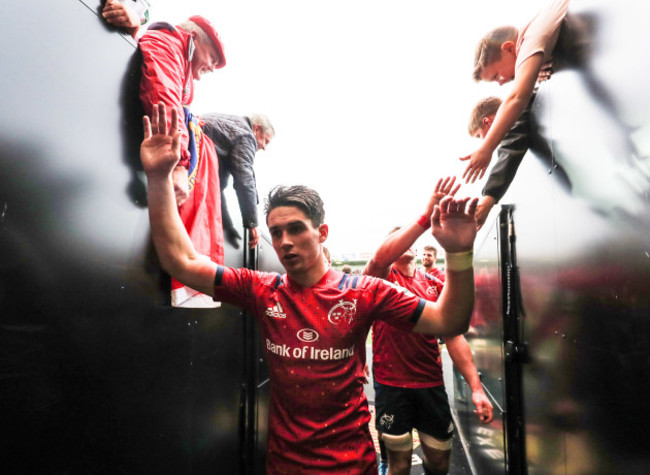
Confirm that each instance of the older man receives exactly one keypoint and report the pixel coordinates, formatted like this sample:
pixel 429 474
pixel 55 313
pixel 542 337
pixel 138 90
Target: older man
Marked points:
pixel 172 58
pixel 236 140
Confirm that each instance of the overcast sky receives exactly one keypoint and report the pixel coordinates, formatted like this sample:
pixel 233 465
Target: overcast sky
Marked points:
pixel 370 99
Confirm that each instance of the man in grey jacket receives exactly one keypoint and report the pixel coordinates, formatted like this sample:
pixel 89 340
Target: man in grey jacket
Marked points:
pixel 236 140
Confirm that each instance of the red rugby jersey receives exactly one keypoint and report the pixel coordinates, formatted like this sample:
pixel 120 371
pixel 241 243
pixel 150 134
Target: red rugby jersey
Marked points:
pixel 438 274
pixel 407 359
pixel 314 339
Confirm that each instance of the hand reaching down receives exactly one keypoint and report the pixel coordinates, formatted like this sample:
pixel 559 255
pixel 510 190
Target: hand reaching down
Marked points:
pixel 478 163
pixel 122 16
pixel 254 238
pixel 483 210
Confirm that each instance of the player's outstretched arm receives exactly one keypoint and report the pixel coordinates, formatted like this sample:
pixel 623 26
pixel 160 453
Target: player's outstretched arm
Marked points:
pixel 454 227
pixel 400 241
pixel 160 152
pixel 461 356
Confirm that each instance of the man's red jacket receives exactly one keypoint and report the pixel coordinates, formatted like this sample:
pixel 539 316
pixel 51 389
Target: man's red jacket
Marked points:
pixel 167 74
pixel 167 77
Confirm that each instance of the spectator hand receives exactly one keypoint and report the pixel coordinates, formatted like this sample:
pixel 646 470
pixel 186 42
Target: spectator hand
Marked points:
pixel 483 210
pixel 160 150
pixel 478 163
pixel 454 224
pixel 484 408
pixel 121 15
pixel 255 238
pixel 232 236
pixel 545 72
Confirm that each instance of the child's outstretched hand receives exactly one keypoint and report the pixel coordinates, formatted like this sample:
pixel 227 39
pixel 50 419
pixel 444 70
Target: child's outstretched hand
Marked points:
pixel 478 163
pixel 160 150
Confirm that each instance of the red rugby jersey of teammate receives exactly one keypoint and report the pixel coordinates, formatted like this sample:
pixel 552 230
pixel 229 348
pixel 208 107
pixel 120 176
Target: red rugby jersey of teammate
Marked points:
pixel 407 359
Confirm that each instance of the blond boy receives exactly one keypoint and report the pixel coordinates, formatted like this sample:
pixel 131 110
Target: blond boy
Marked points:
pixel 521 138
pixel 509 54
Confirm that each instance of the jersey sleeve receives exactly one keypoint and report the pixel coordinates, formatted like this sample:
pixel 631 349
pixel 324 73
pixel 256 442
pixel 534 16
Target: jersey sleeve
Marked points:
pixel 396 305
pixel 235 286
pixel 162 80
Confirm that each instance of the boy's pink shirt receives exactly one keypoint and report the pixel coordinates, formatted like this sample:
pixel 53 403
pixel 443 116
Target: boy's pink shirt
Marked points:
pixel 541 33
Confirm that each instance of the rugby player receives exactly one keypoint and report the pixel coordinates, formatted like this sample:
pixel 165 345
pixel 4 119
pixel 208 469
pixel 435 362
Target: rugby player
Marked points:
pixel 313 320
pixel 407 370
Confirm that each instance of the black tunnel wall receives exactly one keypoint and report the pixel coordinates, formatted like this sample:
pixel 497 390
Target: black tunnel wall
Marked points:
pixel 97 373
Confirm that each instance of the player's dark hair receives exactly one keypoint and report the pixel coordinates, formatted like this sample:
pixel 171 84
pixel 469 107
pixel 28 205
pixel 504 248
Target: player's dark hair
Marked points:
pixel 303 198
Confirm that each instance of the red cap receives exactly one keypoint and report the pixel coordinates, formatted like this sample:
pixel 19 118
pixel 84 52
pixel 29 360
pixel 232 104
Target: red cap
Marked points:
pixel 214 36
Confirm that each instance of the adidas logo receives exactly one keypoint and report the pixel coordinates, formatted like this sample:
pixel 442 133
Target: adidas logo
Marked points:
pixel 276 311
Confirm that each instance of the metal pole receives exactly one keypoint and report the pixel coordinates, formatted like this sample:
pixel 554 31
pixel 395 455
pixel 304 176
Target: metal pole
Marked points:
pixel 514 348
pixel 248 404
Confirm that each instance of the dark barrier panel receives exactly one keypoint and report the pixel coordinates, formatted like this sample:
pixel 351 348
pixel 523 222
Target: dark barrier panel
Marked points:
pixel 583 259
pixel 97 373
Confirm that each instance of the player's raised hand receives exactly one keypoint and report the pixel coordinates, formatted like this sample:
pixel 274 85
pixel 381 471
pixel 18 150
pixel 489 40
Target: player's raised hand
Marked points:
pixel 453 223
pixel 444 187
pixel 160 150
